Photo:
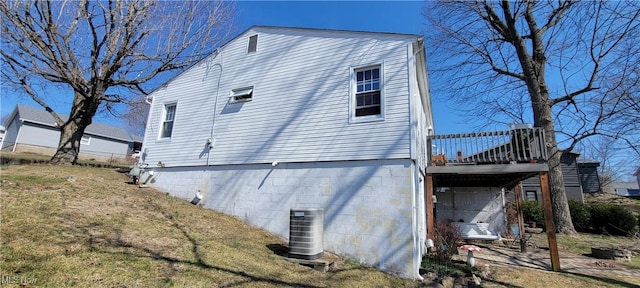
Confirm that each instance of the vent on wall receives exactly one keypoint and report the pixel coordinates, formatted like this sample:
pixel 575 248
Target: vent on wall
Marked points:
pixel 305 234
pixel 253 44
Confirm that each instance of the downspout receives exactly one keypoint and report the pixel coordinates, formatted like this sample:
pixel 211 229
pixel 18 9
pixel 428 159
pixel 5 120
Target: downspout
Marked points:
pixel 147 127
pixel 211 141
pixel 417 237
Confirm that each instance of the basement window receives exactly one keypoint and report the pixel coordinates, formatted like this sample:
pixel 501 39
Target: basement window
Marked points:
pixel 241 95
pixel 86 140
pixel 253 44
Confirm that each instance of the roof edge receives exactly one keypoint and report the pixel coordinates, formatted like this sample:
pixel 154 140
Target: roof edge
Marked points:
pixel 327 30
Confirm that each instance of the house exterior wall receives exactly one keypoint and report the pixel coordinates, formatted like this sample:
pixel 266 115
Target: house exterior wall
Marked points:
pixel 421 119
pixel 589 178
pixel 572 185
pixel 366 175
pixel 11 134
pixel 38 135
pixel 472 205
pixel 300 110
pixel 370 207
pixel 104 147
pixel 44 139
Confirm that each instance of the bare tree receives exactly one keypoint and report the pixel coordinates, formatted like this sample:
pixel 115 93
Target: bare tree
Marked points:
pixel 616 163
pixel 575 65
pixel 102 52
pixel 135 117
pixel 4 120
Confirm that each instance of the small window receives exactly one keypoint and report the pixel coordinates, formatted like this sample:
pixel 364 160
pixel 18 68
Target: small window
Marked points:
pixel 167 123
pixel 531 195
pixel 368 92
pixel 241 94
pixel 86 140
pixel 253 44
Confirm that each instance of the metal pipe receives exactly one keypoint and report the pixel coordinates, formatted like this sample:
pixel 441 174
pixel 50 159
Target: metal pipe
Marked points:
pixel 215 108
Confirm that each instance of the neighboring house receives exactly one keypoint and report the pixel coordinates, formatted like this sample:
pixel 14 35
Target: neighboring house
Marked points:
pixel 288 118
pixel 626 188
pixel 2 132
pixel 637 174
pixel 34 130
pixel 588 174
pixel 580 176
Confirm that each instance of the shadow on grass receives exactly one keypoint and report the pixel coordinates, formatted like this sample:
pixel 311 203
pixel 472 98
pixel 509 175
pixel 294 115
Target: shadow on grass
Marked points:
pixel 505 284
pixel 524 260
pixel 96 242
pixel 279 249
pixel 602 279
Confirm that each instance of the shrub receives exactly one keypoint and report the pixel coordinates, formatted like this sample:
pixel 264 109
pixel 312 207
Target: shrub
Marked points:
pixel 580 216
pixel 612 219
pixel 532 211
pixel 447 239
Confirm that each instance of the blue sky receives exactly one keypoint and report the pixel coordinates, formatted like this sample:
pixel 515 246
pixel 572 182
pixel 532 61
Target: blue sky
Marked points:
pixel 375 16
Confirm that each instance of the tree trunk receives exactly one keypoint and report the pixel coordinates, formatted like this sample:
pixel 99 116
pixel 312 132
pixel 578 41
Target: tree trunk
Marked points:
pixel 71 132
pixel 69 145
pixel 561 213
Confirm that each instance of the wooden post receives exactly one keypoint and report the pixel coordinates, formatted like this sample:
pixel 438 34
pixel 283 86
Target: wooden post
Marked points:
pixel 429 207
pixel 518 193
pixel 548 221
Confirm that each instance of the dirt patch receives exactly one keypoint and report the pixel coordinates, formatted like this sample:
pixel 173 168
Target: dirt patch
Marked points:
pixel 539 258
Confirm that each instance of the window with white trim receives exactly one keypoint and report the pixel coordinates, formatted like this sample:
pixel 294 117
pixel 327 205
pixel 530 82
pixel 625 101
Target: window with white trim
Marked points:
pixel 367 98
pixel 85 140
pixel 241 94
pixel 167 123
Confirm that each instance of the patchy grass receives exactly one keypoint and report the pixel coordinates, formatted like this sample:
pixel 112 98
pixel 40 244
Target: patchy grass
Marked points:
pixel 582 243
pixel 32 158
pixel 86 227
pixel 631 204
pixel 522 277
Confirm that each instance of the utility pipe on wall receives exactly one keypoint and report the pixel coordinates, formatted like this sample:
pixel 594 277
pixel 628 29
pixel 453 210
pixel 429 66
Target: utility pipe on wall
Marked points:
pixel 215 109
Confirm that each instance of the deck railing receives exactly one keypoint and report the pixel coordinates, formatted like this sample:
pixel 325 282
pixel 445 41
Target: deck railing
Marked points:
pixel 522 145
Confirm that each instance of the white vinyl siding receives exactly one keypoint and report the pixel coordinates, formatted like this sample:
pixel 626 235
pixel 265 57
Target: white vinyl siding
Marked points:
pixel 38 135
pixel 11 133
pixel 46 136
pixel 303 110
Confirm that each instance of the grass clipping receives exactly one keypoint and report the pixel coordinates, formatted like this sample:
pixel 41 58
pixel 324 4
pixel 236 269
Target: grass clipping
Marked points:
pixel 86 227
